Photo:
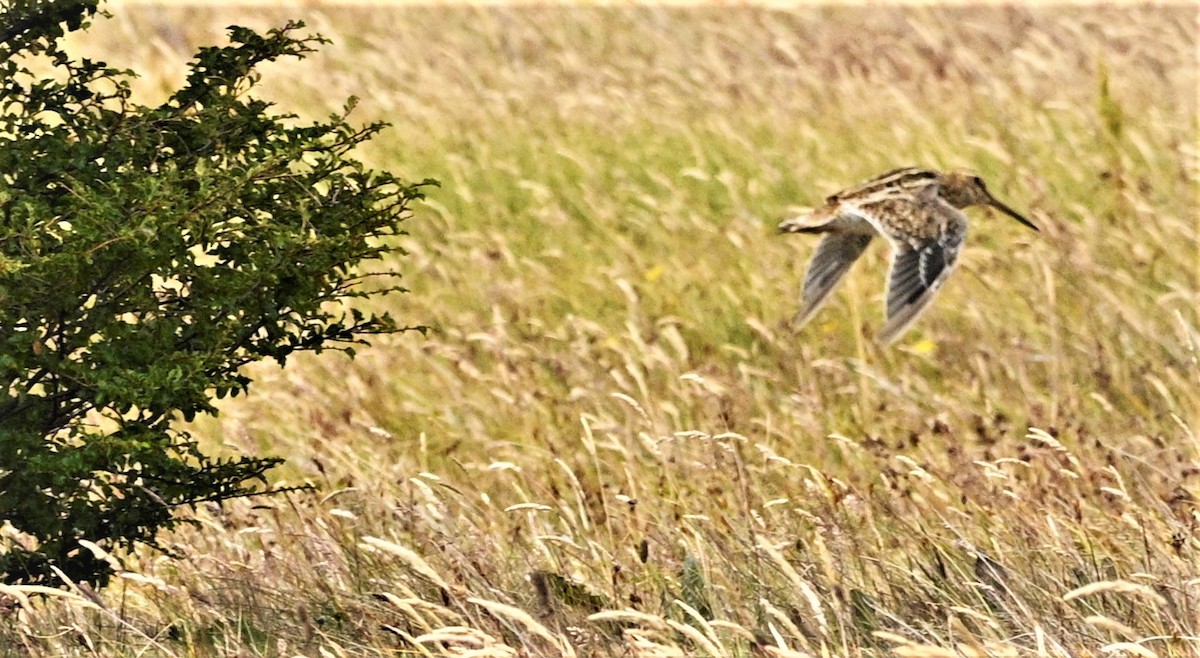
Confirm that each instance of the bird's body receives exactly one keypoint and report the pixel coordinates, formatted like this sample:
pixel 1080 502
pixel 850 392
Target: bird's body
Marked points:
pixel 919 211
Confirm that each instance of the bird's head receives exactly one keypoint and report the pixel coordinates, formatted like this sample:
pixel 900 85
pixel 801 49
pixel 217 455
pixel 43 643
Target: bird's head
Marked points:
pixel 966 188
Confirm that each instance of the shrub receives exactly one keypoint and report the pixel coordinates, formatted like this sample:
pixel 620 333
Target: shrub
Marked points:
pixel 146 255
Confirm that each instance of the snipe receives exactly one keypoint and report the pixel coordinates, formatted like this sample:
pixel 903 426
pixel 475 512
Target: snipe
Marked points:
pixel 919 211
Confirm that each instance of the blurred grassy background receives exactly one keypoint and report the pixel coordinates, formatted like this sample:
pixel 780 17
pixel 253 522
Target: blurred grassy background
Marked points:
pixel 611 411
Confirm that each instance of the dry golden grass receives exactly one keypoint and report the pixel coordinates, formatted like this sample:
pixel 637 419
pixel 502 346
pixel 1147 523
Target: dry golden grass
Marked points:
pixel 612 444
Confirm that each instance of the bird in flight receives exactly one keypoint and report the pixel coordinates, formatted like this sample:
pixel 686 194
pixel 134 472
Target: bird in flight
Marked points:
pixel 919 211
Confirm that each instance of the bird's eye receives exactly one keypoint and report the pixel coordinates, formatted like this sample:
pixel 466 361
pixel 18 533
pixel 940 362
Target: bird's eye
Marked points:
pixel 977 180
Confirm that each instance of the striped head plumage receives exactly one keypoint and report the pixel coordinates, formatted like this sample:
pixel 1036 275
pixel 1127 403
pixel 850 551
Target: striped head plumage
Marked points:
pixel 963 189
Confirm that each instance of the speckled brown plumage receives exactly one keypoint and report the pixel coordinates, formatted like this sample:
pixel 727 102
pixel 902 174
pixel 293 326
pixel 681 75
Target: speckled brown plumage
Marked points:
pixel 919 211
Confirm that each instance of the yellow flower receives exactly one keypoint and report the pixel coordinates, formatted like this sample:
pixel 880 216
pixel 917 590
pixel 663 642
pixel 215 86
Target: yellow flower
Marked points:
pixel 653 274
pixel 924 347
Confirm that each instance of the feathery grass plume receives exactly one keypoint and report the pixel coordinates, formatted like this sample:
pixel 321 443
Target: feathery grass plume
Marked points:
pixel 802 586
pixel 409 557
pixel 1118 586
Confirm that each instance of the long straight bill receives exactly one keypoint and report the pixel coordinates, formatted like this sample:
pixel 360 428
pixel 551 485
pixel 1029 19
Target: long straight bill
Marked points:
pixel 1012 213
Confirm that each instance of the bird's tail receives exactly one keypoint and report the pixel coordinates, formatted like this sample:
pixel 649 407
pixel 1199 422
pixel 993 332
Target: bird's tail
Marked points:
pixel 809 221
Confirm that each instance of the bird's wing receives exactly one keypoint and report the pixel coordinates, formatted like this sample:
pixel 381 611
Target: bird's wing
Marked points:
pixel 836 252
pixel 920 266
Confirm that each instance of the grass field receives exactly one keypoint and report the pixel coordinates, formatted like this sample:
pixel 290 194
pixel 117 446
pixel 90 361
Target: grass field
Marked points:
pixel 612 444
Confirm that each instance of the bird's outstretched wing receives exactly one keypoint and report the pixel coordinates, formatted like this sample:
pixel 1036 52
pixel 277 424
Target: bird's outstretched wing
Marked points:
pixel 919 268
pixel 836 252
